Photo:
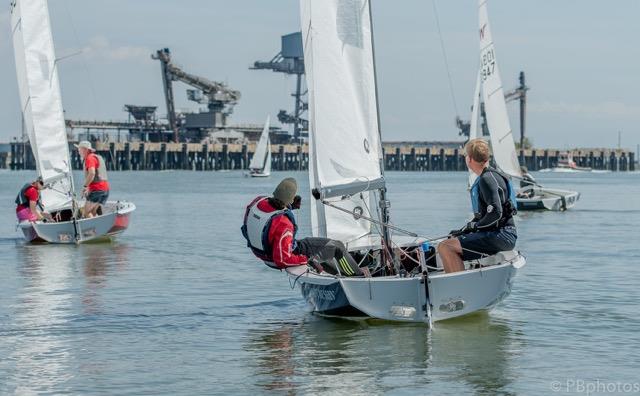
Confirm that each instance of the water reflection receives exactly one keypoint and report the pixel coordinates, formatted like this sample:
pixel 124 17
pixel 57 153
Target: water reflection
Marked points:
pixel 44 332
pixel 41 352
pixel 323 355
pixel 98 262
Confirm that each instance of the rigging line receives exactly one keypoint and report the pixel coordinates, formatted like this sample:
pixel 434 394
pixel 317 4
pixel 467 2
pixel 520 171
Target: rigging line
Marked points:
pixel 327 203
pixel 444 55
pixel 85 66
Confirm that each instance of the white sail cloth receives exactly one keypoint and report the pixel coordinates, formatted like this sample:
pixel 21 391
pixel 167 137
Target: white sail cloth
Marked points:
pixel 262 156
pixel 473 128
pixel 40 99
pixel 345 149
pixel 502 144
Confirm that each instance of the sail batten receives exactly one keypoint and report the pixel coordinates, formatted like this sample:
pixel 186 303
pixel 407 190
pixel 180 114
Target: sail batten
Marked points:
pixel 344 139
pixel 40 98
pixel 502 144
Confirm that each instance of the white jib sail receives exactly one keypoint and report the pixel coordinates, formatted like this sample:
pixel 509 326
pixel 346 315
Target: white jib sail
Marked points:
pixel 345 149
pixel 40 99
pixel 263 150
pixel 473 128
pixel 495 107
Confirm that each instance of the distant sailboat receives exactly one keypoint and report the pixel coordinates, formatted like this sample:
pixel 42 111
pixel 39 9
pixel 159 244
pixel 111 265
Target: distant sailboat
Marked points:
pixel 43 121
pixel 503 146
pixel 260 165
pixel 347 180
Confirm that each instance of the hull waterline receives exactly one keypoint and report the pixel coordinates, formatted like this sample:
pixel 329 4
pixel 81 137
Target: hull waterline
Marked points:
pixel 104 227
pixel 408 299
pixel 548 199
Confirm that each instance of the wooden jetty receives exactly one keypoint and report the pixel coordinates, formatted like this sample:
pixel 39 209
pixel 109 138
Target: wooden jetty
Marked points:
pixel 398 156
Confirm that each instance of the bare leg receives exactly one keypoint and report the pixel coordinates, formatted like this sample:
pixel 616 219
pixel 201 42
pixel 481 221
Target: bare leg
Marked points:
pixel 451 252
pixel 89 208
pixel 94 211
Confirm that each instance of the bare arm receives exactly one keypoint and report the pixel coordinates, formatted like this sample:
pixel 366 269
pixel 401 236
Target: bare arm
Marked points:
pixel 89 176
pixel 33 205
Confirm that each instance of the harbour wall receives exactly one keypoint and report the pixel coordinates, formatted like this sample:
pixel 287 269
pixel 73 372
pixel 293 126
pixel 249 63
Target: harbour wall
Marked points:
pixel 289 157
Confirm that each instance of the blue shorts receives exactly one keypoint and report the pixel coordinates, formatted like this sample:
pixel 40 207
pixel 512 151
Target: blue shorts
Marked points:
pixel 478 244
pixel 99 197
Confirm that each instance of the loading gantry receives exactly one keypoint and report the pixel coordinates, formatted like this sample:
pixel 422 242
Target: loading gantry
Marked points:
pixel 219 98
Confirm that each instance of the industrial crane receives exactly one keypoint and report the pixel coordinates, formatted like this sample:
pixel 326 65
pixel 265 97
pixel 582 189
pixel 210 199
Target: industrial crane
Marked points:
pixel 219 98
pixel 290 60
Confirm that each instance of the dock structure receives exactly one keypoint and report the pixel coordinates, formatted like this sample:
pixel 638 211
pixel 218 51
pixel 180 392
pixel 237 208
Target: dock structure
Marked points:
pixel 136 156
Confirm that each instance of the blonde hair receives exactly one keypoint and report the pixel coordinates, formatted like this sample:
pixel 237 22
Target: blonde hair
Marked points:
pixel 478 150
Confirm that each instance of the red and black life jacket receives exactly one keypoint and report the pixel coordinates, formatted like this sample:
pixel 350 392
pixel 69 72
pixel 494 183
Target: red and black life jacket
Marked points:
pixel 256 226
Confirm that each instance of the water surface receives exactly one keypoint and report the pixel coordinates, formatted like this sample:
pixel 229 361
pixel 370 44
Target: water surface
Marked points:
pixel 179 306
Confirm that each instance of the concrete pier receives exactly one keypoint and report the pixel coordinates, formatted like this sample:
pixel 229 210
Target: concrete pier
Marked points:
pixel 420 157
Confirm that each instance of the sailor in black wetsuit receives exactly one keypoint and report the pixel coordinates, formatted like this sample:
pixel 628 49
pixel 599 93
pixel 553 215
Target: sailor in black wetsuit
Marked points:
pixel 492 229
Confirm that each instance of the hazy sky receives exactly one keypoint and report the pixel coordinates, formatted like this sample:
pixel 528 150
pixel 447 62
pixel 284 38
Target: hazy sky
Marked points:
pixel 581 58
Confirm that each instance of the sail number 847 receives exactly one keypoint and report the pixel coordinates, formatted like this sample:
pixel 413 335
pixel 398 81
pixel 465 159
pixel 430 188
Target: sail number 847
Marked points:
pixel 488 64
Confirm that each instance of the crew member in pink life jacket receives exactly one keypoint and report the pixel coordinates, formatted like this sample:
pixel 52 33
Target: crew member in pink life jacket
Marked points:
pixel 270 230
pixel 28 206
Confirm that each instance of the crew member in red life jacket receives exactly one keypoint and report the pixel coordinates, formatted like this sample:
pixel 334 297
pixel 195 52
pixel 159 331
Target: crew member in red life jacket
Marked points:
pixel 270 230
pixel 96 186
pixel 28 206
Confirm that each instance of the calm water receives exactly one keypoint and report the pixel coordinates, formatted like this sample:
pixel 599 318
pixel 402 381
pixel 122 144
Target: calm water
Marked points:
pixel 179 306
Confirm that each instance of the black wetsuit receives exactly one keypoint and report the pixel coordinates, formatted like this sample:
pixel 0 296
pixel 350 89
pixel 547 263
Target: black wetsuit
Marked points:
pixel 324 250
pixel 492 229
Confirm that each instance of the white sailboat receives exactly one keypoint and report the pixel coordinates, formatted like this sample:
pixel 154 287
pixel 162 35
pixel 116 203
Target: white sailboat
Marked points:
pixel 503 146
pixel 346 177
pixel 260 165
pixel 43 121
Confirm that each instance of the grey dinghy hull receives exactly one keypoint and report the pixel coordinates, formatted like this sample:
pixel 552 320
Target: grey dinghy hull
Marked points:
pixel 113 222
pixel 548 199
pixel 407 299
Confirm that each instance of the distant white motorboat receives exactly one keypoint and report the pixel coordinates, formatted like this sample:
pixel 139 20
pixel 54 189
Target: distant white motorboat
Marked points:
pixel 502 143
pixel 566 164
pixel 346 176
pixel 260 165
pixel 43 121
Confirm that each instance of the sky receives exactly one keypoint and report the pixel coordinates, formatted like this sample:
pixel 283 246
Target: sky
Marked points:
pixel 581 59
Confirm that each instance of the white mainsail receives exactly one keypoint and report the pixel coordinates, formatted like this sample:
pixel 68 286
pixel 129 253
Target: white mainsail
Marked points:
pixel 473 128
pixel 261 160
pixel 502 144
pixel 345 150
pixel 40 99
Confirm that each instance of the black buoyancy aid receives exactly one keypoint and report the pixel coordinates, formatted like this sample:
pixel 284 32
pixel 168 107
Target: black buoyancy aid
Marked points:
pixel 22 199
pixel 256 226
pixel 509 207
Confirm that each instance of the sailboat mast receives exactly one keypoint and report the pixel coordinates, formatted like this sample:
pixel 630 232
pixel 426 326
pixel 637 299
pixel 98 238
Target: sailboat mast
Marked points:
pixel 384 204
